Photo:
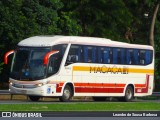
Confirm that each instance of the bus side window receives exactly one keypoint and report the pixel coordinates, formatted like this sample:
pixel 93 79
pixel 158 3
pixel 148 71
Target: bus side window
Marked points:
pixel 73 55
pixel 79 54
pixel 89 60
pixel 148 57
pixel 142 57
pixel 106 55
pixel 129 57
pixel 99 54
pixel 135 57
pixel 110 56
pixel 89 54
pixel 122 56
pixel 119 56
pixel 85 54
pixel 115 56
pixel 94 55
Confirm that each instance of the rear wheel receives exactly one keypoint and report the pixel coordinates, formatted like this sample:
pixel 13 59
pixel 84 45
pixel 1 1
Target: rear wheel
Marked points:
pixel 129 95
pixel 99 98
pixel 67 94
pixel 34 98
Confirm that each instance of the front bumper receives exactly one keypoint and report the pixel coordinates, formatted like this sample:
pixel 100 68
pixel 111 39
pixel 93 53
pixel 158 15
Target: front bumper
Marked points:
pixel 45 90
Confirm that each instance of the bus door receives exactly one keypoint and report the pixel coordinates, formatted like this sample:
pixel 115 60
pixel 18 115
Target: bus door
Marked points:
pixel 72 69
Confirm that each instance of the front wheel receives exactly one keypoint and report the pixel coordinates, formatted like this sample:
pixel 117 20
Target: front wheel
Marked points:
pixel 67 94
pixel 34 98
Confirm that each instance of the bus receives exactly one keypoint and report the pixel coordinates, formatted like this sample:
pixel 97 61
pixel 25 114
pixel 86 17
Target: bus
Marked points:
pixel 68 66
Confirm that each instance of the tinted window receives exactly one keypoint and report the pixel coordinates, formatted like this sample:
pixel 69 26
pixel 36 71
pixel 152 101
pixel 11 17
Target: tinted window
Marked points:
pixel 109 55
pixel 74 54
pixel 61 48
pixel 148 57
pixel 56 59
pixel 106 53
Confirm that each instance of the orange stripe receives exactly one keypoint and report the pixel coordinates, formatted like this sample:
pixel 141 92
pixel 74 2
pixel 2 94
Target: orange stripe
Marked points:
pixel 81 68
pixel 132 70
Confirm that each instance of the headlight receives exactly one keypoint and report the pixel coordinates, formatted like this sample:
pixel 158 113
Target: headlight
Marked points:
pixel 10 83
pixel 39 84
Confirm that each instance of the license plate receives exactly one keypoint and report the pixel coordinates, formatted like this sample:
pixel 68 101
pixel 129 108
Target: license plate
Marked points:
pixel 24 91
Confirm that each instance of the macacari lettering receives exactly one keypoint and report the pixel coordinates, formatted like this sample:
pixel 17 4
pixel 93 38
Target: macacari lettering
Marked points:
pixel 111 69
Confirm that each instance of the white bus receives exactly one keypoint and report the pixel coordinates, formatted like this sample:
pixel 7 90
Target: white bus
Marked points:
pixel 67 66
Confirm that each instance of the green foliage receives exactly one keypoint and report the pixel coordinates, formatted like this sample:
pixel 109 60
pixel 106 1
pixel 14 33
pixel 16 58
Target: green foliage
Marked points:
pixel 68 25
pixel 1 67
pixel 102 18
pixel 25 18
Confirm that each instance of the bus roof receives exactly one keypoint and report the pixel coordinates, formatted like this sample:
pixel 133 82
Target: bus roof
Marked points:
pixel 44 41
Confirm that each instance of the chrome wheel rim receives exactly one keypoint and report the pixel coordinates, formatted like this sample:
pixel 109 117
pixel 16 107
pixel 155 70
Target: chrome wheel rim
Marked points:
pixel 129 94
pixel 66 94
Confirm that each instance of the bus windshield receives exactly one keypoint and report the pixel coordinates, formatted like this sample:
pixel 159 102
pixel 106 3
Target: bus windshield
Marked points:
pixel 28 64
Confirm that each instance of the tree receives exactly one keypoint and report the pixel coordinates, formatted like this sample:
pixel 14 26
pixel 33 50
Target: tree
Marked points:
pixel 68 25
pixel 25 18
pixel 151 36
pixel 102 18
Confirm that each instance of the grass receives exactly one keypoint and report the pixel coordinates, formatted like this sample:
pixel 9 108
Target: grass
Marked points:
pixel 84 106
pixel 50 104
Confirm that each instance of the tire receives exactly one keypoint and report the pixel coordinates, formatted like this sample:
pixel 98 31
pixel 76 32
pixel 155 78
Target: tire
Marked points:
pixel 34 98
pixel 129 94
pixel 99 98
pixel 67 94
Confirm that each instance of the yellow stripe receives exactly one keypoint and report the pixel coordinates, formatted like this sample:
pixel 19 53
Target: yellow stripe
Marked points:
pixel 81 68
pixel 130 70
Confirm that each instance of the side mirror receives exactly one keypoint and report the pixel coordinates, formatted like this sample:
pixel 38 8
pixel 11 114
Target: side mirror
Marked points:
pixel 6 56
pixel 48 55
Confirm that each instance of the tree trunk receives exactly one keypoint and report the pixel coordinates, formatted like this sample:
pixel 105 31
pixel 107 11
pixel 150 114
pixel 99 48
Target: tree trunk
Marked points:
pixel 151 35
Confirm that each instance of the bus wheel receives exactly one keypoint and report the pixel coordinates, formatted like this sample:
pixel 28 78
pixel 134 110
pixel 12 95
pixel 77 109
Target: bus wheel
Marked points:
pixel 34 98
pixel 67 94
pixel 99 98
pixel 129 95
